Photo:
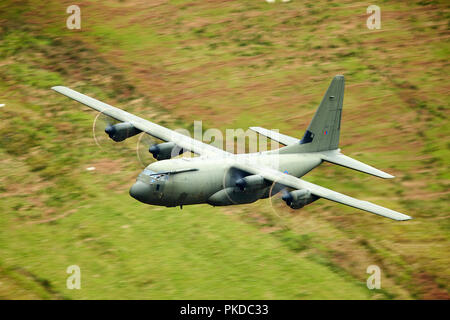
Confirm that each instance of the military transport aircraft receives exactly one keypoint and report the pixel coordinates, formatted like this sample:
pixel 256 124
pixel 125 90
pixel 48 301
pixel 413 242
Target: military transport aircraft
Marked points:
pixel 220 178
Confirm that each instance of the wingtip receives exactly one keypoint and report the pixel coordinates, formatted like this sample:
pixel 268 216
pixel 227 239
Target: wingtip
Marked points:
pixel 57 88
pixel 405 218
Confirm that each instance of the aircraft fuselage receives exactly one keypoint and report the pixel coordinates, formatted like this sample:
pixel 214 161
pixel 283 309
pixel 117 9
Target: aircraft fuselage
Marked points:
pixel 212 180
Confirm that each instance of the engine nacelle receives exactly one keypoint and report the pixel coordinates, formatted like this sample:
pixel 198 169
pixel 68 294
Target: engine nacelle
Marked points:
pixel 231 195
pixel 299 198
pixel 121 131
pixel 252 182
pixel 165 150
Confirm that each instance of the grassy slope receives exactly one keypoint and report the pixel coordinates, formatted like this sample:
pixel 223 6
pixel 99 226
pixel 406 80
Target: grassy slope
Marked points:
pixel 257 64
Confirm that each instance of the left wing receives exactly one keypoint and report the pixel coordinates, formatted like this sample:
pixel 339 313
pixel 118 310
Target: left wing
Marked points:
pixel 296 183
pixel 153 129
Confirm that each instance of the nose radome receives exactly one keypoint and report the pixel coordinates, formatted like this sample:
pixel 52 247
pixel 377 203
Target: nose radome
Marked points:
pixel 140 191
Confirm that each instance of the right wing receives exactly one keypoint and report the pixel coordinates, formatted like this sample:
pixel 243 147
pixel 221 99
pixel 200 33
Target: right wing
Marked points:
pixel 153 129
pixel 296 183
pixel 279 137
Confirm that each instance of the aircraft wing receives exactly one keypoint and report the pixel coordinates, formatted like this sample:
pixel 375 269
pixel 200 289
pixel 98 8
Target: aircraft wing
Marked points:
pixel 296 183
pixel 153 129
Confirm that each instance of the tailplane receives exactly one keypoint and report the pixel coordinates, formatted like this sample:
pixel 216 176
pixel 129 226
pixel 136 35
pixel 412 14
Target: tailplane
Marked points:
pixel 322 135
pixel 340 159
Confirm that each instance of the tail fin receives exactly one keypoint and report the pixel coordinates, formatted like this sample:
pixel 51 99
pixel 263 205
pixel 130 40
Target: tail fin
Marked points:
pixel 323 131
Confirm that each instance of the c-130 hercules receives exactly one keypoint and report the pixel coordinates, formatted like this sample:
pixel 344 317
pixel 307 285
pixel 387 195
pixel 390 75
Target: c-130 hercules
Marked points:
pixel 220 178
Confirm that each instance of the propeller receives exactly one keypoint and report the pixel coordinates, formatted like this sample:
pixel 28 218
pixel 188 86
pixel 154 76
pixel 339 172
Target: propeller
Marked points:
pixel 230 177
pixel 286 197
pixel 280 200
pixel 145 148
pixel 101 129
pixel 240 187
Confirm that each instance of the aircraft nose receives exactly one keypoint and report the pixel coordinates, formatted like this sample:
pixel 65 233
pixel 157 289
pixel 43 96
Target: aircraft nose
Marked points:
pixel 140 191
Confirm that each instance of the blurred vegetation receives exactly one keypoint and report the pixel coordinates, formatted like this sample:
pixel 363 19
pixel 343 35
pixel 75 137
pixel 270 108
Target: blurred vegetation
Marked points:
pixel 232 65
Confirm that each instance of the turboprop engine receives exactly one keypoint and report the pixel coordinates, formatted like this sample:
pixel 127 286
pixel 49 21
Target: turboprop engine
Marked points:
pixel 121 131
pixel 299 198
pixel 165 150
pixel 252 182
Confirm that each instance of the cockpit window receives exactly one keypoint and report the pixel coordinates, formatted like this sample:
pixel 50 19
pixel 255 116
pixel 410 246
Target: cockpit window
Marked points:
pixel 160 177
pixel 150 176
pixel 148 172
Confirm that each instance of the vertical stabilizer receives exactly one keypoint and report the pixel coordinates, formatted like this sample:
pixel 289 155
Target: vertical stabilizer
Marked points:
pixel 324 130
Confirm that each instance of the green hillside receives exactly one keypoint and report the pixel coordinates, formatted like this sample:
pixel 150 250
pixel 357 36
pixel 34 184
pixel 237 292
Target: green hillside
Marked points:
pixel 232 64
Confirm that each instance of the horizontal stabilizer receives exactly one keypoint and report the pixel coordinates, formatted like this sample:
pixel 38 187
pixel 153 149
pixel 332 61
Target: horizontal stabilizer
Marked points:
pixel 338 158
pixel 274 135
